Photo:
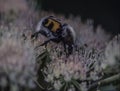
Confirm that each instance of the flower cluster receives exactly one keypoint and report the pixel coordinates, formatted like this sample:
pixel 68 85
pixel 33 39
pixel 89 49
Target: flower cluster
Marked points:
pixel 82 66
pixel 78 71
pixel 17 62
pixel 112 53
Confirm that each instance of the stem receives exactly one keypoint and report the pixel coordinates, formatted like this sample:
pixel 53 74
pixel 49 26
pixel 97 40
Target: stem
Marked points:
pixel 37 83
pixel 105 81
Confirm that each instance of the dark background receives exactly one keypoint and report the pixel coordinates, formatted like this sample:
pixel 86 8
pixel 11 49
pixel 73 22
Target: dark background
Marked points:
pixel 104 12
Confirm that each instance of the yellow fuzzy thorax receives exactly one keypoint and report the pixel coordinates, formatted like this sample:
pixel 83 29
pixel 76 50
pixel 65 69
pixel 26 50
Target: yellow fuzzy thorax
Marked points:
pixel 56 25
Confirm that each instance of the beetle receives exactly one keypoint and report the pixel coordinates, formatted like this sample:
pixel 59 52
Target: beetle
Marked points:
pixel 56 31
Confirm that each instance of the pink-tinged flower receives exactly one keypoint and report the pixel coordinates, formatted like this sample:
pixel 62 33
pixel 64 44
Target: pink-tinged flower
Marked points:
pixel 93 38
pixel 17 61
pixel 75 67
pixel 81 65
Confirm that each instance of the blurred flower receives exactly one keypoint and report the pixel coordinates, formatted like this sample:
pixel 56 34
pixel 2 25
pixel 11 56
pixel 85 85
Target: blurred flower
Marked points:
pixel 112 51
pixel 111 61
pixel 83 86
pixel 57 85
pixel 94 38
pixel 15 5
pixel 3 81
pixel 72 88
pixel 17 61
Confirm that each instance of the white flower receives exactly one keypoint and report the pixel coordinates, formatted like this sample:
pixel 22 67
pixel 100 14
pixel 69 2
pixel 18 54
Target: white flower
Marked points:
pixel 67 77
pixel 83 86
pixel 103 65
pixel 93 75
pixel 17 60
pixel 56 72
pixel 77 75
pixel 57 85
pixel 49 78
pixel 112 51
pixel 72 88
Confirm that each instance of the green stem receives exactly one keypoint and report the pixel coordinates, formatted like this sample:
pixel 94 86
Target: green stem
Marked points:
pixel 76 84
pixel 66 85
pixel 105 81
pixel 37 83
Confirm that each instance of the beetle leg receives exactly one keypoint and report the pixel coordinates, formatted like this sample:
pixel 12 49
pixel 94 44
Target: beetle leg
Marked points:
pixel 66 49
pixel 35 35
pixel 64 45
pixel 70 49
pixel 45 43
